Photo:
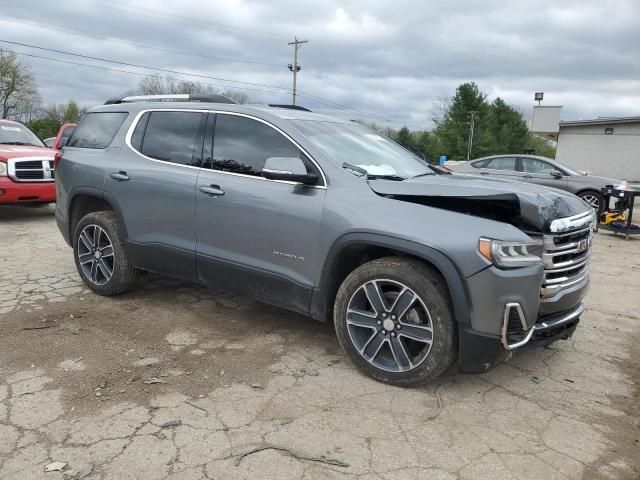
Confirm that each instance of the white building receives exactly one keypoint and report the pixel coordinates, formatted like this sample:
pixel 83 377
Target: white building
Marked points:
pixel 603 146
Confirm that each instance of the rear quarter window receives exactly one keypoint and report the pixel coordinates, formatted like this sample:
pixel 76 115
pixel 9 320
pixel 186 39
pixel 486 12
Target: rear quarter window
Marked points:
pixel 96 130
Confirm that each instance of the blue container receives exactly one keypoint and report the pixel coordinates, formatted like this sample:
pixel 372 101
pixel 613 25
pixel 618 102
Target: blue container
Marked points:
pixel 443 159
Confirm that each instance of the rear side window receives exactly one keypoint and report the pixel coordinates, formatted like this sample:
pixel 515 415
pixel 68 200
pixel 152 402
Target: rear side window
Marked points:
pixel 503 163
pixel 96 130
pixel 242 145
pixel 174 137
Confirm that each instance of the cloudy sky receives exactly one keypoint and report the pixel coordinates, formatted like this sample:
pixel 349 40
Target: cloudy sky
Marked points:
pixel 380 60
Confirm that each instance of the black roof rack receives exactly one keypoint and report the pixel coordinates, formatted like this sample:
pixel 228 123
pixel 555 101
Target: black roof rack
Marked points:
pixel 213 98
pixel 290 107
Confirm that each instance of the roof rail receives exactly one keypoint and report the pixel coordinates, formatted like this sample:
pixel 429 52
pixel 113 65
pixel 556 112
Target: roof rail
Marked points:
pixel 290 107
pixel 212 98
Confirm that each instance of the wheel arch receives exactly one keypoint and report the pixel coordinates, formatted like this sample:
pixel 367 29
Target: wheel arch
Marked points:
pixel 354 249
pixel 87 201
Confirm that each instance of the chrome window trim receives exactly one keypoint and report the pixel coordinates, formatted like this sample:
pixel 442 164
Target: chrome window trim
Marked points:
pixel 46 169
pixel 136 120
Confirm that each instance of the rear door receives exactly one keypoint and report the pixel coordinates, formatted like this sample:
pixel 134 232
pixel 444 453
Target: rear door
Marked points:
pixel 153 182
pixel 503 167
pixel 256 234
pixel 536 170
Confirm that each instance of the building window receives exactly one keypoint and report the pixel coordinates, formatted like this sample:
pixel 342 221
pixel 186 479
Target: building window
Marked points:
pixel 608 131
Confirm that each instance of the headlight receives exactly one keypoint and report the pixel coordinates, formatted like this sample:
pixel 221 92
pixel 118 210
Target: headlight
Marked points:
pixel 511 254
pixel 3 169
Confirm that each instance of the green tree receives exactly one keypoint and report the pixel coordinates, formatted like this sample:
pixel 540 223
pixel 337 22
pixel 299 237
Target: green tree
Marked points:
pixel 453 127
pixel 508 129
pixel 404 138
pixel 44 127
pixel 72 113
pixel 541 146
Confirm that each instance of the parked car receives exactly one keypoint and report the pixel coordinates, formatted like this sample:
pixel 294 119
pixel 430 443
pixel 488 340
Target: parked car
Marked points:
pixel 64 133
pixel 541 171
pixel 417 267
pixel 26 166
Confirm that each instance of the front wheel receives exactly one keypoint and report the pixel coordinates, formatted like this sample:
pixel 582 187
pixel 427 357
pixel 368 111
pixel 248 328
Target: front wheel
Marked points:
pixel 100 257
pixel 594 199
pixel 394 319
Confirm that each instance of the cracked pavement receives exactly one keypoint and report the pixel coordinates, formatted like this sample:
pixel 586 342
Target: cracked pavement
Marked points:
pixel 173 381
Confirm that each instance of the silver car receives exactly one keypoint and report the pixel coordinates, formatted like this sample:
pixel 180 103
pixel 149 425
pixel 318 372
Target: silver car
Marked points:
pixel 541 171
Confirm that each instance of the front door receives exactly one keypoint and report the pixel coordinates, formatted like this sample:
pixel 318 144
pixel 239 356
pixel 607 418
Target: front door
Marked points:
pixel 255 234
pixel 536 170
pixel 153 183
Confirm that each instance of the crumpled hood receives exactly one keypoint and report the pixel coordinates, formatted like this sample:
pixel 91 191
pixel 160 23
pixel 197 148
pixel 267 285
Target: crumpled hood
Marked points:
pixel 524 205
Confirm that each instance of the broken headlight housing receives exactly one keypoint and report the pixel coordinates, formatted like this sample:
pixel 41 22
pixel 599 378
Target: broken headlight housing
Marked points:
pixel 504 254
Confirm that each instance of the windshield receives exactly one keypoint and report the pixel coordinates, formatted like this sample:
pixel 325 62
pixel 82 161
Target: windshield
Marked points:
pixel 16 134
pixel 356 145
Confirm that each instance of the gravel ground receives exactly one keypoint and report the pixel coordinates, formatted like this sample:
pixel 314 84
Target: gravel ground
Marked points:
pixel 173 381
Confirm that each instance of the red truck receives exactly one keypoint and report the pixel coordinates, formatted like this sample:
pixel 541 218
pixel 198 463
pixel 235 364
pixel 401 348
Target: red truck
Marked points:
pixel 27 174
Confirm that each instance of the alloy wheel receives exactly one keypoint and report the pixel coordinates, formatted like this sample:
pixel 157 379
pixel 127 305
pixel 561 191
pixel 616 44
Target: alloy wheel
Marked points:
pixel 593 201
pixel 389 325
pixel 95 254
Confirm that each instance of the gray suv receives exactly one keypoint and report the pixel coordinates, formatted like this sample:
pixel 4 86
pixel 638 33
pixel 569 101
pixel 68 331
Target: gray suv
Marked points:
pixel 542 171
pixel 416 267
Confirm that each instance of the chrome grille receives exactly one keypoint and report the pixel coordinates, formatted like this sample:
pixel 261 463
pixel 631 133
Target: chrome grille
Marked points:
pixel 566 257
pixel 31 169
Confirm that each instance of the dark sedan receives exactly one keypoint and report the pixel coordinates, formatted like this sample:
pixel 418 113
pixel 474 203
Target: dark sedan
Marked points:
pixel 542 171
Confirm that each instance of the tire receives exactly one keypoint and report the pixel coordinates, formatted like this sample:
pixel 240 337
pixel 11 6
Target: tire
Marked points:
pixel 592 197
pixel 94 265
pixel 359 333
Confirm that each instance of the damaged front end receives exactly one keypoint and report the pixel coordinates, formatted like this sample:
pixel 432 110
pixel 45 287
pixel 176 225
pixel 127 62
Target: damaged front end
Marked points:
pixel 528 207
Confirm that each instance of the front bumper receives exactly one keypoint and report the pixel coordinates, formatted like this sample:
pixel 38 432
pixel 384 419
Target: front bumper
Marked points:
pixel 26 192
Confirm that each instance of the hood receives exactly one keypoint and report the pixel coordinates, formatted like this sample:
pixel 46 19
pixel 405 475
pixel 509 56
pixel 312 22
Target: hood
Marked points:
pixel 527 206
pixel 17 151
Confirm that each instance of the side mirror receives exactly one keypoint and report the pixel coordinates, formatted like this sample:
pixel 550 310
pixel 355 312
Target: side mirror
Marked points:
pixel 290 169
pixel 555 173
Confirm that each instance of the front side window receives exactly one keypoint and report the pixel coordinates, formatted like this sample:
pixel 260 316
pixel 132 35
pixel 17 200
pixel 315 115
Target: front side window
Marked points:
pixel 172 137
pixel 96 130
pixel 242 145
pixel 502 163
pixel 534 165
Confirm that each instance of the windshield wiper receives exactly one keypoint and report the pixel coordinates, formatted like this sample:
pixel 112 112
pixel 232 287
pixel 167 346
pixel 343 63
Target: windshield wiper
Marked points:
pixel 361 172
pixel 19 143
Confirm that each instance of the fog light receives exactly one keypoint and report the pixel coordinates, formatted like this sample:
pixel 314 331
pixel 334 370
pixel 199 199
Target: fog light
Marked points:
pixel 1 192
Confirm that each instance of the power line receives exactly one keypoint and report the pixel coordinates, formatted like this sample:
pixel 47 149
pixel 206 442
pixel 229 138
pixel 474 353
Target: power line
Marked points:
pixel 63 29
pixel 117 70
pixel 252 84
pixel 127 64
pixel 168 16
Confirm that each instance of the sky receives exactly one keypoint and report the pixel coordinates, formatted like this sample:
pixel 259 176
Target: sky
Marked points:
pixel 390 62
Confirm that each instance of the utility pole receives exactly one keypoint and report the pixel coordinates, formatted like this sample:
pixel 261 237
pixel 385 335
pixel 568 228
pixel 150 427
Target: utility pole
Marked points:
pixel 472 115
pixel 295 68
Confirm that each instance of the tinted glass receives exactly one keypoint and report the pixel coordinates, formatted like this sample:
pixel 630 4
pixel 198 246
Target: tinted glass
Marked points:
pixel 96 130
pixel 242 145
pixel 17 134
pixel 66 134
pixel 504 163
pixel 173 137
pixel 533 165
pixel 136 138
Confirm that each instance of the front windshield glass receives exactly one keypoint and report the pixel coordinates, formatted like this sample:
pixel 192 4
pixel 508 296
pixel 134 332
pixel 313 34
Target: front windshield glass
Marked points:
pixel 17 134
pixel 356 145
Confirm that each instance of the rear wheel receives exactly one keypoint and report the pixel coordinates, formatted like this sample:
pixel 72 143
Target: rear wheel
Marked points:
pixel 393 318
pixel 99 255
pixel 594 199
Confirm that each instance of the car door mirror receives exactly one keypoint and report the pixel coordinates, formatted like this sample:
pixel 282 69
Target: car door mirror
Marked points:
pixel 291 169
pixel 555 173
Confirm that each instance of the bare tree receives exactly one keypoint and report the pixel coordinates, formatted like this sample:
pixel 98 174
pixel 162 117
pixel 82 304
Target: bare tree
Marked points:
pixel 18 92
pixel 166 84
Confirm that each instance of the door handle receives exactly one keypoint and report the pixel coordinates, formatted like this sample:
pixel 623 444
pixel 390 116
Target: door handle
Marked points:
pixel 527 176
pixel 484 173
pixel 120 176
pixel 213 190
